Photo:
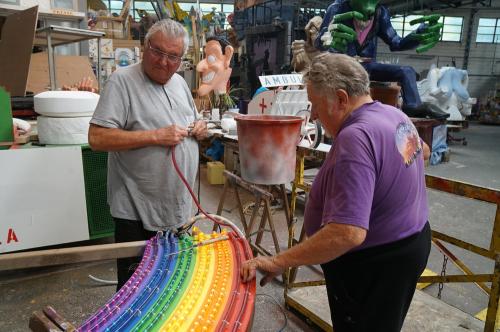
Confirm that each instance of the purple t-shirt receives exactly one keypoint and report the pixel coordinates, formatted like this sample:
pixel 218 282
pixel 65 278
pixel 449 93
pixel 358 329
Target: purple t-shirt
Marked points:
pixel 373 178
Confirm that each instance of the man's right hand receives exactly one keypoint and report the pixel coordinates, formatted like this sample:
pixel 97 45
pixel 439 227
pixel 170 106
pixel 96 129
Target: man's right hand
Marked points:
pixel 338 34
pixel 171 135
pixel 265 264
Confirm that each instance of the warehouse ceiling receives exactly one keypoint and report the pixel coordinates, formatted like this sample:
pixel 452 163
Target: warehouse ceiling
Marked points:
pixel 410 6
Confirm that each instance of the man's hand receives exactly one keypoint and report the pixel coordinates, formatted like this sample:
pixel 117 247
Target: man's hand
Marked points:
pixel 338 34
pixel 430 35
pixel 171 135
pixel 199 130
pixel 265 264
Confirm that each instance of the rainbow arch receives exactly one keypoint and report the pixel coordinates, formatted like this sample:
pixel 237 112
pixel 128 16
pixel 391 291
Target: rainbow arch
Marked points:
pixel 181 285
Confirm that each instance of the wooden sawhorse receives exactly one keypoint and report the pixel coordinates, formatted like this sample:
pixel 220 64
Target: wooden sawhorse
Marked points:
pixel 261 196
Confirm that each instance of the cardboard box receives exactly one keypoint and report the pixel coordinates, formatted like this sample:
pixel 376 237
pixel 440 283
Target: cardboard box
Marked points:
pixel 70 69
pixel 215 172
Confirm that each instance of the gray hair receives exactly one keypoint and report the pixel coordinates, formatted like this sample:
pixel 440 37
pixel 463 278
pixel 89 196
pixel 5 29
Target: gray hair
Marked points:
pixel 170 29
pixel 332 71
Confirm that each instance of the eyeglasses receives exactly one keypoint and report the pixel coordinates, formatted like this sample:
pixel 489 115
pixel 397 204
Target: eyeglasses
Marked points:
pixel 174 59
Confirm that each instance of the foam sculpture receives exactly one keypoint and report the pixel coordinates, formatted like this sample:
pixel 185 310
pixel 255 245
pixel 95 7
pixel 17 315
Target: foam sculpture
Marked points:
pixel 186 283
pixel 66 104
pixel 446 89
pixel 214 69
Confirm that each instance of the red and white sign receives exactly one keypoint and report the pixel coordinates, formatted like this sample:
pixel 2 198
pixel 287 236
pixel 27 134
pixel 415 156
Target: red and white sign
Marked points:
pixel 262 103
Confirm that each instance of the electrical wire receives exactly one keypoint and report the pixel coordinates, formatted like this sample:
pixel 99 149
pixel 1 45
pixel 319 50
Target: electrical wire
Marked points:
pixel 281 309
pixel 224 222
pixel 199 182
pixel 103 281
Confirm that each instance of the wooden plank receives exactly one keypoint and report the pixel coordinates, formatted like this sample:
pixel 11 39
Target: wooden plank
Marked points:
pixel 40 323
pixel 53 257
pixel 60 321
pixel 422 285
pixel 126 43
pixel 16 43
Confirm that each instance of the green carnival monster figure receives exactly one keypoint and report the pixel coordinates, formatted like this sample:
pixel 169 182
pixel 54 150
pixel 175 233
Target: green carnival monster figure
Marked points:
pixel 352 27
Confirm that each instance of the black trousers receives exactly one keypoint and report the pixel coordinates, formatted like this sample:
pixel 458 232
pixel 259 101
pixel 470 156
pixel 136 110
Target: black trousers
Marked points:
pixel 129 231
pixel 371 289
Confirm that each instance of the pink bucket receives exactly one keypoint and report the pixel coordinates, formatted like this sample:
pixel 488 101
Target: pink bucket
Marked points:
pixel 267 145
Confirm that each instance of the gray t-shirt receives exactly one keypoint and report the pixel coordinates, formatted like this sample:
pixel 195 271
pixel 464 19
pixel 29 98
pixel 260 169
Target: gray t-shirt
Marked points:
pixel 142 183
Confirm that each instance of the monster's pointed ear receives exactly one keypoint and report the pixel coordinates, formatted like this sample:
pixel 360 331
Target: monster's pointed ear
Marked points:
pixel 228 54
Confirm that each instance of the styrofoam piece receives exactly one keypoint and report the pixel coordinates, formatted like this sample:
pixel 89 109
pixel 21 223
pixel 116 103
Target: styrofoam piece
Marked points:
pixel 64 104
pixel 228 124
pixel 23 126
pixel 63 130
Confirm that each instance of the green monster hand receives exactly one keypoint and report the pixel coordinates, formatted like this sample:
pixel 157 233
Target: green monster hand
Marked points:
pixel 430 34
pixel 338 34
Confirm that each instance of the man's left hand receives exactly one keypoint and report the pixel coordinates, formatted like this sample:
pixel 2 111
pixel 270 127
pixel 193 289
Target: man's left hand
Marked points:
pixel 265 264
pixel 431 33
pixel 199 130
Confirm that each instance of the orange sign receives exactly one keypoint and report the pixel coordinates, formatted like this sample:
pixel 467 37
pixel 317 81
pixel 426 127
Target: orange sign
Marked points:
pixel 66 12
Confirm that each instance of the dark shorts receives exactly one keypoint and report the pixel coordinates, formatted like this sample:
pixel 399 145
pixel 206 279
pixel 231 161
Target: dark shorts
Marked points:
pixel 371 289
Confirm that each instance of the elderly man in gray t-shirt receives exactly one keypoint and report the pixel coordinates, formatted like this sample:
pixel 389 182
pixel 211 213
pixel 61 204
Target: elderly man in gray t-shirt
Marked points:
pixel 143 113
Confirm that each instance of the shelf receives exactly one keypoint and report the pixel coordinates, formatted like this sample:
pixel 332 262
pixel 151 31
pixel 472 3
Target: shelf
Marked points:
pixel 63 35
pixel 54 35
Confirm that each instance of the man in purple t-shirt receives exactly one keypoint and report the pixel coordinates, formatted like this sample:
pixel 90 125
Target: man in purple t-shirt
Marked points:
pixel 366 217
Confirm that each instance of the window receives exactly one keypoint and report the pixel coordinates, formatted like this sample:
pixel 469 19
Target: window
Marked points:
pixel 227 9
pixel 186 6
pixel 64 4
pixel 402 24
pixel 10 2
pixel 115 7
pixel 488 31
pixel 142 5
pixel 207 8
pixel 452 26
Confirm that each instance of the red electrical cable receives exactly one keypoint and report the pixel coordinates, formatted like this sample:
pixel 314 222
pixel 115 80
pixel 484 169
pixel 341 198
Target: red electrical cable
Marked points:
pixel 183 179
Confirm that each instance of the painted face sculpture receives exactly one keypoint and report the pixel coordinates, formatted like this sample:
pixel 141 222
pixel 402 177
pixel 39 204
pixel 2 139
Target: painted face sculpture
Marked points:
pixel 214 69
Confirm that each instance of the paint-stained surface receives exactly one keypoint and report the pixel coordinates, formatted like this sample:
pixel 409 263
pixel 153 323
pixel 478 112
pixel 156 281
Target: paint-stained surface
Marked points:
pixel 267 145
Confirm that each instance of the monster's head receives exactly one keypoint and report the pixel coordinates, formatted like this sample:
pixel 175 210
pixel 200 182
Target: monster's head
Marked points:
pixel 365 7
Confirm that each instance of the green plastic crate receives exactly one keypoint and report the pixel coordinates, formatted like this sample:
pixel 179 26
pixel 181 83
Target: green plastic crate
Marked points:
pixel 95 168
pixel 6 126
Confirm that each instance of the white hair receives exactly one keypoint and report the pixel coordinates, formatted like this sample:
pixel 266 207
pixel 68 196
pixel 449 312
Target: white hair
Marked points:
pixel 170 29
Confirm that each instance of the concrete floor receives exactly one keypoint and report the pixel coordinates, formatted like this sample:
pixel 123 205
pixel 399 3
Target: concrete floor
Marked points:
pixel 69 290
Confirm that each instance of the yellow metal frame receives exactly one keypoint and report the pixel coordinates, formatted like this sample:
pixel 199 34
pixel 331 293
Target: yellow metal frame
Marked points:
pixel 433 182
